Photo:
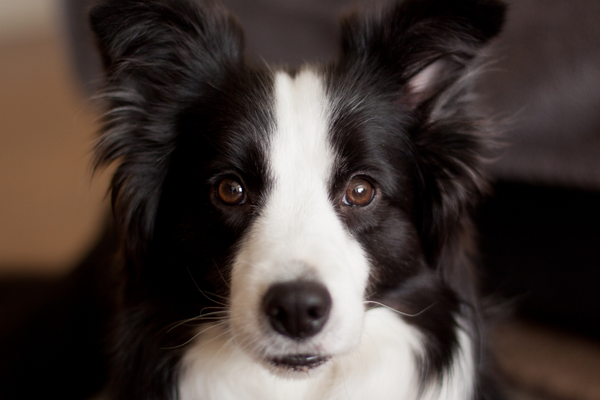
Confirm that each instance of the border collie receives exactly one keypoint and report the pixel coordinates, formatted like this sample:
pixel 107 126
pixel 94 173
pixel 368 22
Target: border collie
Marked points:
pixel 295 234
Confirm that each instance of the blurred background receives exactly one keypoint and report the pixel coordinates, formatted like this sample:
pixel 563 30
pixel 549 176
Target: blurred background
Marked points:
pixel 50 207
pixel 540 228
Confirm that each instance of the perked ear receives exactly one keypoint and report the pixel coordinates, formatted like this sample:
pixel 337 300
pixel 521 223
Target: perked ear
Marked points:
pixel 158 55
pixel 421 44
pixel 421 51
pixel 153 40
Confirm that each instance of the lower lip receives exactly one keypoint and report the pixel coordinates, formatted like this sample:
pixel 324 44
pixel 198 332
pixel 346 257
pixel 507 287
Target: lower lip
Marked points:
pixel 299 362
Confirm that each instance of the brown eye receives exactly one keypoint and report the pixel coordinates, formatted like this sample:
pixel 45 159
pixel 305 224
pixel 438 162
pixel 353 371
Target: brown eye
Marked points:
pixel 231 192
pixel 359 193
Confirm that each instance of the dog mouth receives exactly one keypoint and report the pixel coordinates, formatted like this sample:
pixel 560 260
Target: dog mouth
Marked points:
pixel 299 362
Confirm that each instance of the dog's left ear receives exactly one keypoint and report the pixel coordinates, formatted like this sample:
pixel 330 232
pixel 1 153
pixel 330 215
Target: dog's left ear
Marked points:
pixel 421 51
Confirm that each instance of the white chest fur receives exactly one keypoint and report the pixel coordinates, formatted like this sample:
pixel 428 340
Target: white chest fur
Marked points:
pixel 383 367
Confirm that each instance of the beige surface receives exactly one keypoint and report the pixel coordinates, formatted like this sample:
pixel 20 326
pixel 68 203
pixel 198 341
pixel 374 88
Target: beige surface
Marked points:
pixel 19 18
pixel 49 206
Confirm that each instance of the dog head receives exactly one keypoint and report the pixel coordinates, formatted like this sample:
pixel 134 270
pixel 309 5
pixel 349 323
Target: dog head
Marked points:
pixel 292 197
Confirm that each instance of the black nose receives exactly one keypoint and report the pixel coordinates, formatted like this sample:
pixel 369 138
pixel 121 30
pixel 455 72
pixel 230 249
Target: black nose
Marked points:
pixel 297 309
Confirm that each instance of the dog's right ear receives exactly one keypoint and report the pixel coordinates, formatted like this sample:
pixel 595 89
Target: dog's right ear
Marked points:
pixel 158 56
pixel 420 45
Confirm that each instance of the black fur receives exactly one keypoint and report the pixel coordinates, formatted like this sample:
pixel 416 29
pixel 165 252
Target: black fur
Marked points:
pixel 159 56
pixel 185 110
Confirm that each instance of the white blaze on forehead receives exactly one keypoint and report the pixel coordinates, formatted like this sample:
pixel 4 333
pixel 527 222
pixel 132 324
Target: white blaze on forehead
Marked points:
pixel 301 160
pixel 298 233
pixel 299 215
pixel 300 148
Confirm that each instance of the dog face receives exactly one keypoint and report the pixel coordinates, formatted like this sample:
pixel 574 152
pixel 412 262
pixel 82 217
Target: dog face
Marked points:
pixel 277 223
pixel 292 200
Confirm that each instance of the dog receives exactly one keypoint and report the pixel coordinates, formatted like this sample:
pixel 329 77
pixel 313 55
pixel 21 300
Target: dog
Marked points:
pixel 295 233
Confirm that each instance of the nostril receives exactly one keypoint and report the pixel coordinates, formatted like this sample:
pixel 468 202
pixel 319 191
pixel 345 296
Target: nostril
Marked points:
pixel 297 309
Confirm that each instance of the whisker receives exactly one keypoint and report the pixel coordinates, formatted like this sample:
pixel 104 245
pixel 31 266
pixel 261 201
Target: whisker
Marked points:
pixel 401 312
pixel 217 295
pixel 225 332
pixel 224 309
pixel 178 323
pixel 205 294
pixel 222 277
pixel 195 336
pixel 196 318
pixel 213 313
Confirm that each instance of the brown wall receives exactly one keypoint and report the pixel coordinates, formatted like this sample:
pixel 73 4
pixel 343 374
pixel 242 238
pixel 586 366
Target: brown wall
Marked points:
pixel 50 207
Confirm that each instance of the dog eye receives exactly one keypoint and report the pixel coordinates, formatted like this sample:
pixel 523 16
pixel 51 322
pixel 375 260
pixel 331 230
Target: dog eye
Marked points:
pixel 231 192
pixel 359 193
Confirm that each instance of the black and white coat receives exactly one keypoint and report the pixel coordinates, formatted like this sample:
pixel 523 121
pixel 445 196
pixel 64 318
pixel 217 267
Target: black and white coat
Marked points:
pixel 346 186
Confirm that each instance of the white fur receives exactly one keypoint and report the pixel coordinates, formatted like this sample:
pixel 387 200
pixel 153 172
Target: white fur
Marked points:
pixel 383 367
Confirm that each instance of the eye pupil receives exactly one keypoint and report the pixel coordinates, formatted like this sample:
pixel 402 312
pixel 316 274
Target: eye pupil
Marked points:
pixel 231 192
pixel 359 193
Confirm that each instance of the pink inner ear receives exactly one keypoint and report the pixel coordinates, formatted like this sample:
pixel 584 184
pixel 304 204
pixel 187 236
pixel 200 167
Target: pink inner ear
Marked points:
pixel 422 85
